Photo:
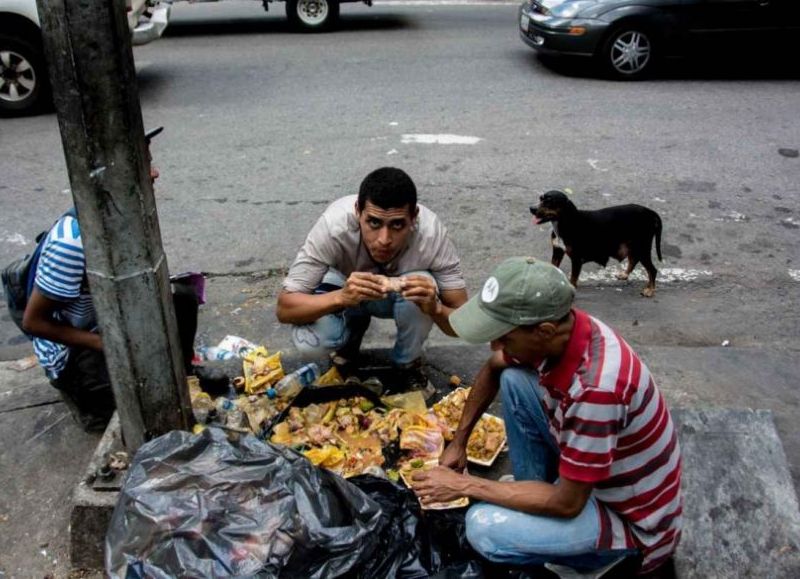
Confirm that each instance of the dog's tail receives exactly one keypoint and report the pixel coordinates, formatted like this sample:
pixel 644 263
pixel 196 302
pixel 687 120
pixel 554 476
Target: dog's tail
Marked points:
pixel 658 237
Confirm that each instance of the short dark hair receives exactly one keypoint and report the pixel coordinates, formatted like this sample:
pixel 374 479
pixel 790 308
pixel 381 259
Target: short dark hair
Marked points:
pixel 388 188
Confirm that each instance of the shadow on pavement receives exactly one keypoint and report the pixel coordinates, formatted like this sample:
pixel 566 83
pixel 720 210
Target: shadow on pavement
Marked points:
pixel 276 23
pixel 734 65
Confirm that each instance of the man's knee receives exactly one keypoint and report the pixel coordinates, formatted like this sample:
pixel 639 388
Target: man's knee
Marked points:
pixel 481 530
pixel 327 334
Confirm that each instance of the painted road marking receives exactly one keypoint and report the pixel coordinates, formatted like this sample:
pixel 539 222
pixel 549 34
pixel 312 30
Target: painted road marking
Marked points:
pixel 16 239
pixel 665 275
pixel 439 140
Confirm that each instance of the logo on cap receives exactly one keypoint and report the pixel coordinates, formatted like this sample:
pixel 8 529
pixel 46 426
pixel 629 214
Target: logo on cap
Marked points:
pixel 490 290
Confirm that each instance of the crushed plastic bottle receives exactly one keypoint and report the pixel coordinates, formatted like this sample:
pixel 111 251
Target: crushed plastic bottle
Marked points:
pixel 291 384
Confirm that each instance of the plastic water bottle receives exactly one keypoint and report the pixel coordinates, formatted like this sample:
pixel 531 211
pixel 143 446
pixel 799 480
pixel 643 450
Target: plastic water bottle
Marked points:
pixel 214 353
pixel 229 414
pixel 291 384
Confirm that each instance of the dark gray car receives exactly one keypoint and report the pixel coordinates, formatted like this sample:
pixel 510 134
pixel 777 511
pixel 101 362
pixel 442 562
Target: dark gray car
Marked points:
pixel 627 37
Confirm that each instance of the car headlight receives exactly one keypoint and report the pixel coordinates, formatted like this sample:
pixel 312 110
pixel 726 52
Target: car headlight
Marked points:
pixel 570 9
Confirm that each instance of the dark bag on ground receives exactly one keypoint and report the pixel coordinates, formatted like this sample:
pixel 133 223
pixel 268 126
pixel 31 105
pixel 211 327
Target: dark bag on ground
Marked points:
pixel 204 506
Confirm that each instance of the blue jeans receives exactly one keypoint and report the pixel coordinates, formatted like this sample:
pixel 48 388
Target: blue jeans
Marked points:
pixel 334 332
pixel 512 537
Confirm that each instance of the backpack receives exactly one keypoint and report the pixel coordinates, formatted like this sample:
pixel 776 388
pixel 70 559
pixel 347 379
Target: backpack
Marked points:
pixel 18 277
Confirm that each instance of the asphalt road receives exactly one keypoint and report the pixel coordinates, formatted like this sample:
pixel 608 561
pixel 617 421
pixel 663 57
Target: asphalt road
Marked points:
pixel 264 127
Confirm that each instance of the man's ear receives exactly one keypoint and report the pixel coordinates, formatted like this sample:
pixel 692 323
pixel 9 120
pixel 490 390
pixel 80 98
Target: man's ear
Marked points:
pixel 358 211
pixel 547 329
pixel 415 213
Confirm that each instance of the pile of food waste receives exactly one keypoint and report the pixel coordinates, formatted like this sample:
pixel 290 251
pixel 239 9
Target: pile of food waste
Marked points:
pixel 353 435
pixel 349 435
pixel 345 433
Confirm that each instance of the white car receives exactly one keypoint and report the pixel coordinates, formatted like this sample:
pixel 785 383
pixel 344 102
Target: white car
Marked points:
pixel 24 85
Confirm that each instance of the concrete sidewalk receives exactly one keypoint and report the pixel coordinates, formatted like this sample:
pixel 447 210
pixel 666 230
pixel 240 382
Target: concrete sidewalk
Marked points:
pixel 678 334
pixel 43 454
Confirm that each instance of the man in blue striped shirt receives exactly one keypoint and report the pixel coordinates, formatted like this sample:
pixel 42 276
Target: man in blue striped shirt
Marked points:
pixel 60 316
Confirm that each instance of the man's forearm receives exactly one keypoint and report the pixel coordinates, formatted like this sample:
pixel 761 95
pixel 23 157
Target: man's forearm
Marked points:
pixel 483 391
pixel 64 334
pixel 451 300
pixel 299 308
pixel 534 497
pixel 442 319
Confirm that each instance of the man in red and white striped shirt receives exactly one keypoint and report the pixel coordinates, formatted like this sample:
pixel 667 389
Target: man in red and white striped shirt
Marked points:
pixel 595 454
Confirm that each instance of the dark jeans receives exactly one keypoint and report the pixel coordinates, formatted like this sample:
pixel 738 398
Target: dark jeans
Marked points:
pixel 84 383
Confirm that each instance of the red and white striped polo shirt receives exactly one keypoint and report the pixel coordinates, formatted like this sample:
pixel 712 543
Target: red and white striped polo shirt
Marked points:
pixel 615 432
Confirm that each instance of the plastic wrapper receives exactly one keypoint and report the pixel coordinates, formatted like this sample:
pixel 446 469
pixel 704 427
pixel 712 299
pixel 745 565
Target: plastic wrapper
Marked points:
pixel 330 378
pixel 409 401
pixel 201 506
pixel 261 370
pixel 422 441
pixel 237 345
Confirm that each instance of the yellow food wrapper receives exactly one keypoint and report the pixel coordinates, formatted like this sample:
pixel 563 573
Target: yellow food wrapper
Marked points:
pixel 413 402
pixel 281 434
pixel 261 370
pixel 330 378
pixel 326 456
pixel 193 382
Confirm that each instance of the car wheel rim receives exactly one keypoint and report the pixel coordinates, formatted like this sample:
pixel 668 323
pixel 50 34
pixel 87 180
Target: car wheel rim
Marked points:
pixel 17 77
pixel 312 12
pixel 630 52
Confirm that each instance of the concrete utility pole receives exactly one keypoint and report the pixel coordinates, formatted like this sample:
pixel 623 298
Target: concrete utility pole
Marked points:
pixel 88 50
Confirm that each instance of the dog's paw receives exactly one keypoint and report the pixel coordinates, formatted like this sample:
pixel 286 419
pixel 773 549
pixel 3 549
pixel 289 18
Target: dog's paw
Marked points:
pixel 622 276
pixel 649 292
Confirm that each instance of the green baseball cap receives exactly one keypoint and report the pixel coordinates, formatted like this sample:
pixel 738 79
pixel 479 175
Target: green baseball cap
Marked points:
pixel 521 291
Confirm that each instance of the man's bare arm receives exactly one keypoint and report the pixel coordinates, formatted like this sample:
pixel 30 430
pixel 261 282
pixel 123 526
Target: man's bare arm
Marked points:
pixel 298 308
pixel 38 321
pixel 451 300
pixel 564 499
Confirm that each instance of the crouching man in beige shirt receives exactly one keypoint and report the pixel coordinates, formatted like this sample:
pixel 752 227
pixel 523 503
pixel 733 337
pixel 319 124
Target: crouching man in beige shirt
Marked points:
pixel 378 254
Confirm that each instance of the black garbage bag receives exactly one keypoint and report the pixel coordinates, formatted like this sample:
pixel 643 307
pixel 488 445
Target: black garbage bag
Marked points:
pixel 416 543
pixel 202 506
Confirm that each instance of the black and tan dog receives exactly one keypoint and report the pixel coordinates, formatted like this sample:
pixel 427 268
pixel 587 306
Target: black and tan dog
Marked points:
pixel 622 231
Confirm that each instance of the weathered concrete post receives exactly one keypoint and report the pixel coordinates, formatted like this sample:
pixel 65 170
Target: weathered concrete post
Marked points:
pixel 88 50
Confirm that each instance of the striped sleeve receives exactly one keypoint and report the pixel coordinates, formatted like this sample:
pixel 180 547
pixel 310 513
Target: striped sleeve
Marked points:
pixel 62 263
pixel 591 425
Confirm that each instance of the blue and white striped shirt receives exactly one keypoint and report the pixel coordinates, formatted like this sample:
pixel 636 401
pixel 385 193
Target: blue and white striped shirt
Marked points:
pixel 61 276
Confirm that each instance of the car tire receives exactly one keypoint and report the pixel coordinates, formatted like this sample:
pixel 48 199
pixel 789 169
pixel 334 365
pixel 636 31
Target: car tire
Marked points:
pixel 24 86
pixel 312 15
pixel 629 53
